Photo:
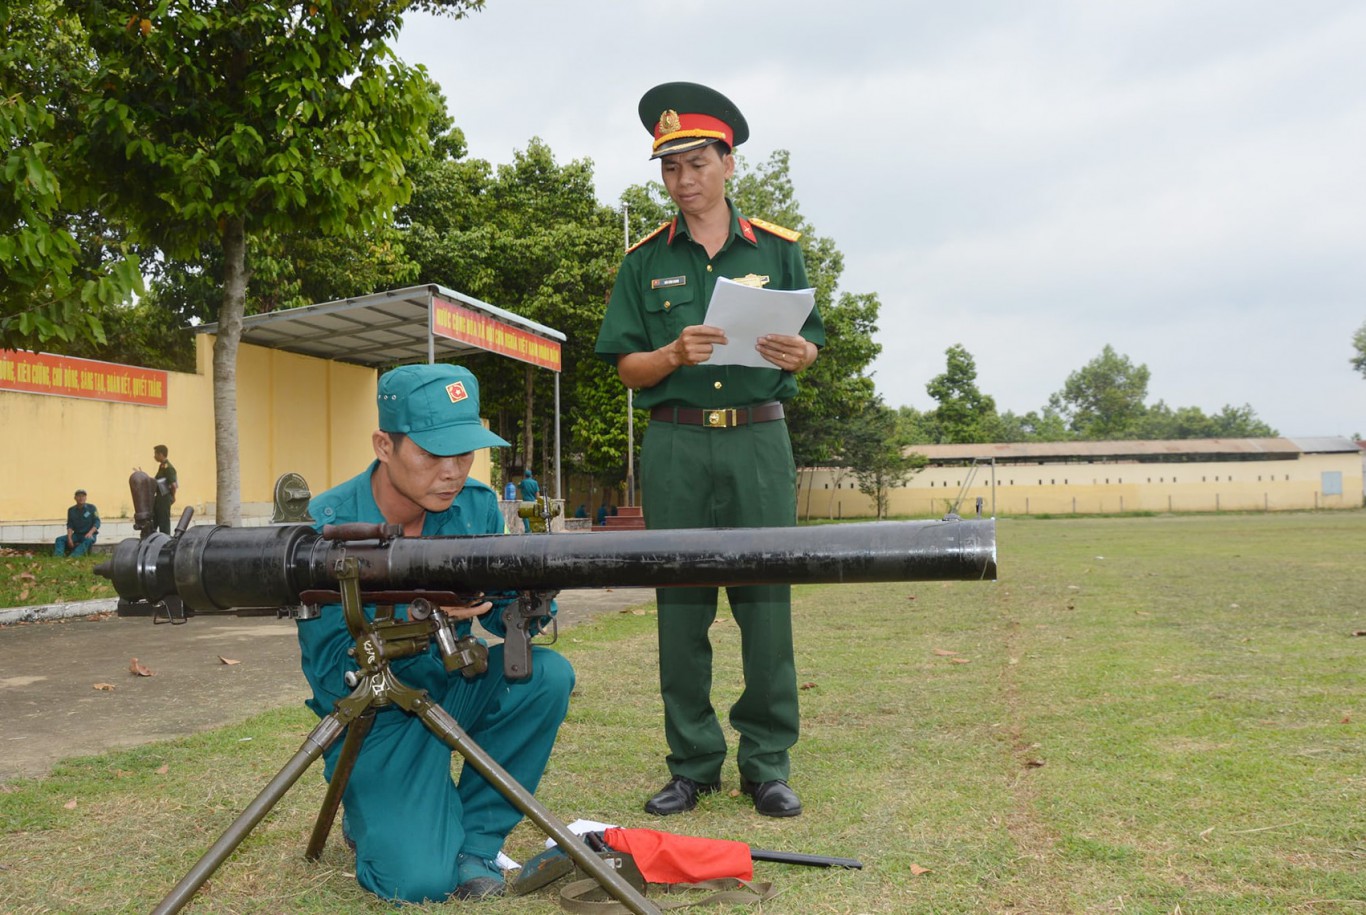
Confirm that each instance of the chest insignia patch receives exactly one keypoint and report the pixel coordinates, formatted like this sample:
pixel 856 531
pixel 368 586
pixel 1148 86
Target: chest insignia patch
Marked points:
pixel 666 282
pixel 456 391
pixel 753 279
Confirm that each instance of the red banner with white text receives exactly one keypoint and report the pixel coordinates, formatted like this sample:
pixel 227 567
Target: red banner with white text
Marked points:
pixel 488 333
pixel 68 376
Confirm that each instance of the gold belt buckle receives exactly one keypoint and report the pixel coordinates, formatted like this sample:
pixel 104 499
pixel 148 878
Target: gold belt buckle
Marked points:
pixel 721 419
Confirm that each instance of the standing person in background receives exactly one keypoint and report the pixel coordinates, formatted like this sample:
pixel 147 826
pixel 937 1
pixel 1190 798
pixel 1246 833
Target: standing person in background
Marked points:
pixel 167 484
pixel 716 452
pixel 82 527
pixel 530 490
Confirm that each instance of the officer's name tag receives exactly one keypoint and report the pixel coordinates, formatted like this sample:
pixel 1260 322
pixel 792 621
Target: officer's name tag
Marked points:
pixel 665 282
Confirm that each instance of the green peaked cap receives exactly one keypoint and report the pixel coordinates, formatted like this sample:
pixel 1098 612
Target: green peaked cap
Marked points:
pixel 684 116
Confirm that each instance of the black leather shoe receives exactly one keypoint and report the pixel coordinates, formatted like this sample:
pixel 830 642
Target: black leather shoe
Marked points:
pixel 679 796
pixel 772 799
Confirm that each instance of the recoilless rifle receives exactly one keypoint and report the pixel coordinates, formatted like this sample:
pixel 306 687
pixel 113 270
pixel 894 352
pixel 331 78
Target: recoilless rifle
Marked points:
pixel 297 571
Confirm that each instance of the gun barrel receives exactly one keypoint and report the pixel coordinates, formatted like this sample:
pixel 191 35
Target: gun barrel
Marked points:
pixel 222 568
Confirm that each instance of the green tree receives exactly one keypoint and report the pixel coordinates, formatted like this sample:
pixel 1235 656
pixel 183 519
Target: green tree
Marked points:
pixel 877 456
pixel 1046 425
pixel 964 413
pixel 225 121
pixel 530 237
pixel 1104 398
pixel 1359 344
pixel 837 386
pixel 61 265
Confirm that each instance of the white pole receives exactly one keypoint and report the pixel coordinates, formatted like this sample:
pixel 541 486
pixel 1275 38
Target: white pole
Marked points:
pixel 630 395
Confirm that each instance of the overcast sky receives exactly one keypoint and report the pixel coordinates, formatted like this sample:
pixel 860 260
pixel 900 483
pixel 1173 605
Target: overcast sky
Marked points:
pixel 1184 180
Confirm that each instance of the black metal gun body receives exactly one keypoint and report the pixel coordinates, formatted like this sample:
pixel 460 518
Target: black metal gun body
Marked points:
pixel 223 569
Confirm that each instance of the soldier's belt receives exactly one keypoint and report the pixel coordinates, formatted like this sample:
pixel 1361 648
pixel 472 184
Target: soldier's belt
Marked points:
pixel 721 418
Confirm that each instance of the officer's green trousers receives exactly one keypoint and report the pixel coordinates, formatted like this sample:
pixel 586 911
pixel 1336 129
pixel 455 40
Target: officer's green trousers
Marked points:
pixel 693 476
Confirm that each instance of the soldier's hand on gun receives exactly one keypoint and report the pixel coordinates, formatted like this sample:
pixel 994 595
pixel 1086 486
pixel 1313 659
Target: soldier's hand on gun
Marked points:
pixel 476 606
pixel 694 345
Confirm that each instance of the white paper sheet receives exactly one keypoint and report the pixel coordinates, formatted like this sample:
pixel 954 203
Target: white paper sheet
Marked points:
pixel 746 313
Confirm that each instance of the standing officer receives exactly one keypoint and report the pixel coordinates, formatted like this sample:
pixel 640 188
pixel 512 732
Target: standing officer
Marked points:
pixel 167 484
pixel 418 834
pixel 716 453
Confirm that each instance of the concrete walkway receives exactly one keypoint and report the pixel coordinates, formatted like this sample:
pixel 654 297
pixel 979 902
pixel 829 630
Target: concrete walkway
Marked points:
pixel 50 707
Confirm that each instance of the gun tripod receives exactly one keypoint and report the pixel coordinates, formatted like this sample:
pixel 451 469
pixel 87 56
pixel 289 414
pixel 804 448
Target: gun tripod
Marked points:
pixel 374 687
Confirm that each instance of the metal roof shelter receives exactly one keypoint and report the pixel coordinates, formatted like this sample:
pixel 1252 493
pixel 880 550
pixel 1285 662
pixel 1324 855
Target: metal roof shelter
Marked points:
pixel 416 324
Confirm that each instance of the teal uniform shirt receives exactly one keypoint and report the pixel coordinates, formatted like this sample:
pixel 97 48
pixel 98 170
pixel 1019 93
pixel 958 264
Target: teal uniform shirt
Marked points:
pixel 408 818
pixel 664 285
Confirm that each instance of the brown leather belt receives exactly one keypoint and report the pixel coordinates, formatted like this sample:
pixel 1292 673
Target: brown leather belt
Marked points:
pixel 719 419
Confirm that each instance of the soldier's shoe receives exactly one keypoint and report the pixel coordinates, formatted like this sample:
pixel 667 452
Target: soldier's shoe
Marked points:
pixel 679 796
pixel 772 799
pixel 480 878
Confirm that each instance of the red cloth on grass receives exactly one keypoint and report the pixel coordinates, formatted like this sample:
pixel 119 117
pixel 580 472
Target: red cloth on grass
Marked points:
pixel 664 857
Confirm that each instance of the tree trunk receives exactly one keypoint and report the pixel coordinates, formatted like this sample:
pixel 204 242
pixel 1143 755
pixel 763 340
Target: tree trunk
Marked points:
pixel 528 435
pixel 229 492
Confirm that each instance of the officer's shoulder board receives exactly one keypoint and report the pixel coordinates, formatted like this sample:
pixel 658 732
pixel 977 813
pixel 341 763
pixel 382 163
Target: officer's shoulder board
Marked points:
pixel 774 229
pixel 661 228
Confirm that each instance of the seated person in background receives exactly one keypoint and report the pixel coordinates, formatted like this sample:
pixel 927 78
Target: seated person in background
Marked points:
pixel 82 527
pixel 419 834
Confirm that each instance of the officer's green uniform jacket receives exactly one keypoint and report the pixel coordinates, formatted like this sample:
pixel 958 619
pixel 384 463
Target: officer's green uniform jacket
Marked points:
pixel 694 476
pixel 409 820
pixel 664 285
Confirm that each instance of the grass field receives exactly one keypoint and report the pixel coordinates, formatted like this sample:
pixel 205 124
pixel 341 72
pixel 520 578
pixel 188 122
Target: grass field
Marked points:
pixel 1144 715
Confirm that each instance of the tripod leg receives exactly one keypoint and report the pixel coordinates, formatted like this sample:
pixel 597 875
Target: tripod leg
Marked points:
pixel 440 723
pixel 355 736
pixel 318 740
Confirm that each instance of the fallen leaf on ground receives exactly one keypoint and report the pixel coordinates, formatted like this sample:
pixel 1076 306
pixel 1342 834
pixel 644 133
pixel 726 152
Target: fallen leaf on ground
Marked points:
pixel 228 661
pixel 960 660
pixel 70 805
pixel 944 652
pixel 917 870
pixel 105 687
pixel 162 770
pixel 1034 763
pixel 27 576
pixel 138 669
pixel 807 686
pixel 1360 632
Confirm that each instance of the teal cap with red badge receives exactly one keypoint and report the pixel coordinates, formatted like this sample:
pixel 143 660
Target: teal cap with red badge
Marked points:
pixel 437 406
pixel 684 116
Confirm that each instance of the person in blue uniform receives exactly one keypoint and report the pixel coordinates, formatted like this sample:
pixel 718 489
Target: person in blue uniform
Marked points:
pixel 530 490
pixel 418 833
pixel 82 527
pixel 716 452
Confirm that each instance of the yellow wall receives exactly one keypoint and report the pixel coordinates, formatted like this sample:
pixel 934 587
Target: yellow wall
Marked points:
pixel 1095 488
pixel 294 413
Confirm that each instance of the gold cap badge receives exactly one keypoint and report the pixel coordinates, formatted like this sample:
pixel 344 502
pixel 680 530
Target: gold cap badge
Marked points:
pixel 668 122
